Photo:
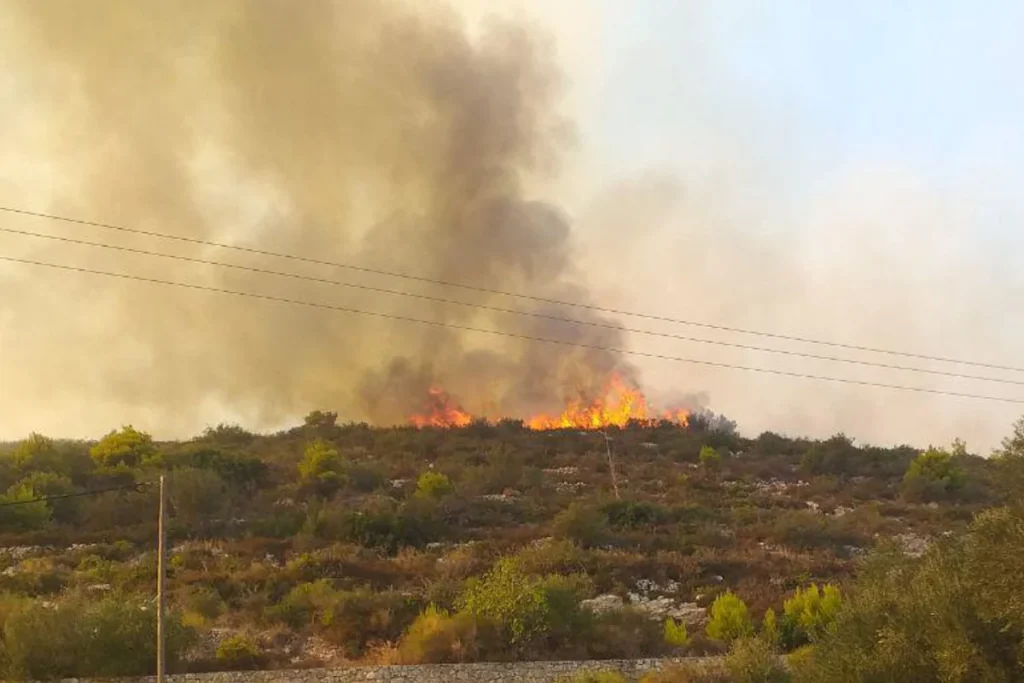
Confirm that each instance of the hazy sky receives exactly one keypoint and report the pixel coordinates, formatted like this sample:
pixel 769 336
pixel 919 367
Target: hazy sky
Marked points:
pixel 835 170
pixel 861 137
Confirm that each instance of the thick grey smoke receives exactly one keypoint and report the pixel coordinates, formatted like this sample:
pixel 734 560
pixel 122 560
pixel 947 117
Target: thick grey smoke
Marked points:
pixel 377 133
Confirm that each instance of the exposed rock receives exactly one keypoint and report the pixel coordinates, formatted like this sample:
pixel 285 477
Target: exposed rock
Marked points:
pixel 647 587
pixel 912 544
pixel 603 604
pixel 319 649
pixel 660 609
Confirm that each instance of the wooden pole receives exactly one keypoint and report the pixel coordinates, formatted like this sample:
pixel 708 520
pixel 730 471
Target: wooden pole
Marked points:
pixel 611 465
pixel 161 659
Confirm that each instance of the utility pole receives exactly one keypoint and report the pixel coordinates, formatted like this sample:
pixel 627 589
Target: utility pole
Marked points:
pixel 161 659
pixel 611 464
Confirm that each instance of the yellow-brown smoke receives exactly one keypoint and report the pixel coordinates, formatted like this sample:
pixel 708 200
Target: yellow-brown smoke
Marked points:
pixel 377 133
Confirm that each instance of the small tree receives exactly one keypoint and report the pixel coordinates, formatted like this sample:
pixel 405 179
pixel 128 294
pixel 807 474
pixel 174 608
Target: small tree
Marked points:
pixel 110 637
pixel 581 523
pixel 18 513
pixel 932 474
pixel 710 458
pixel 46 483
pixel 510 599
pixel 321 467
pixel 437 637
pixel 730 618
pixel 808 614
pixel 320 419
pixel 752 660
pixel 675 633
pixel 37 452
pixel 1009 461
pixel 239 652
pixel 197 495
pixel 433 486
pixel 770 628
pixel 126 448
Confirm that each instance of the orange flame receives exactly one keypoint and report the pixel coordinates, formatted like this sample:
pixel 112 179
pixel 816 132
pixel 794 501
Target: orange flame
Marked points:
pixel 680 416
pixel 619 405
pixel 440 411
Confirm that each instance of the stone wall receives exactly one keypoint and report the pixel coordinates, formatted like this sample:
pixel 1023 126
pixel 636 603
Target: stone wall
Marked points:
pixel 512 672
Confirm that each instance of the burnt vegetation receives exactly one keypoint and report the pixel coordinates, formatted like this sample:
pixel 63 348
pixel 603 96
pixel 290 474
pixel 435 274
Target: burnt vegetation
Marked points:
pixel 330 543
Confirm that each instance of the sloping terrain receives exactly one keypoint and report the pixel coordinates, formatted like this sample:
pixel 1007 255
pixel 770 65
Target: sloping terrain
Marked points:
pixel 330 543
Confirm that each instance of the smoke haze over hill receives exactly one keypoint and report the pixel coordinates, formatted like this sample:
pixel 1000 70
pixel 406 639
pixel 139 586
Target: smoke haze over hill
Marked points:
pixel 418 137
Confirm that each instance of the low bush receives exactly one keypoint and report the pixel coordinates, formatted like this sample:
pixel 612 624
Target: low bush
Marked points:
pixel 752 660
pixel 437 637
pixel 239 652
pixel 730 619
pixel 74 638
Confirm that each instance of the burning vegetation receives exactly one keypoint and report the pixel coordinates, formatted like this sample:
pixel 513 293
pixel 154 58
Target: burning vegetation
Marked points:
pixel 618 404
pixel 440 411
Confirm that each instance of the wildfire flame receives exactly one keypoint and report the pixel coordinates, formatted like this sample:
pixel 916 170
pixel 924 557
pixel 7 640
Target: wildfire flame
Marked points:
pixel 618 405
pixel 440 410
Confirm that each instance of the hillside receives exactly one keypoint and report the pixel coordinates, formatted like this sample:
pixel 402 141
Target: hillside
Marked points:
pixel 324 543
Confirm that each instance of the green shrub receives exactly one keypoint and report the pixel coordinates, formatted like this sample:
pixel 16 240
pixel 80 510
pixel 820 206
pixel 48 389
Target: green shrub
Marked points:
pixel 808 614
pixel 932 475
pixel 17 513
pixel 114 636
pixel 675 633
pixel 126 448
pixel 436 637
pixel 752 660
pixel 300 606
pixel 710 457
pixel 770 628
pixel 581 523
pixel 321 467
pixel 355 618
pixel 239 652
pixel 730 619
pixel 511 599
pixel 623 634
pixel 953 614
pixel 62 511
pixel 204 601
pixel 197 495
pixel 413 524
pixel 627 514
pixel 433 486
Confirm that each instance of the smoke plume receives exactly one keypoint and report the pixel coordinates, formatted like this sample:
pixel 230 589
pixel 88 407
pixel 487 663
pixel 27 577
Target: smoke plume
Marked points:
pixel 382 134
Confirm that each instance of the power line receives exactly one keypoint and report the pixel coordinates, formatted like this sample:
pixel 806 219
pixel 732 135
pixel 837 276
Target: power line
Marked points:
pixel 516 295
pixel 512 311
pixel 481 330
pixel 79 494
